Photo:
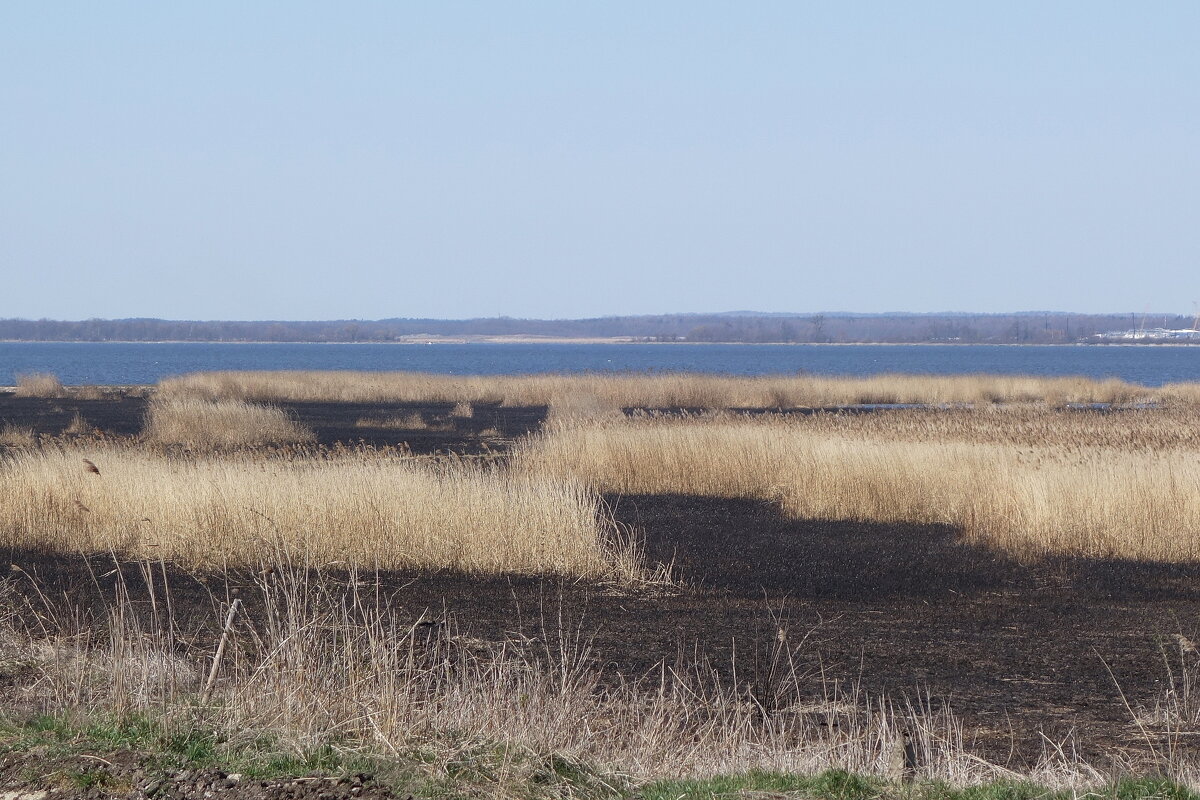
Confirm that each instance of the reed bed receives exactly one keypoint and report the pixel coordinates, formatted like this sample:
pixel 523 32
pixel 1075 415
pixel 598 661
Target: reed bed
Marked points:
pixel 666 390
pixel 355 509
pixel 1113 493
pixel 1131 429
pixel 215 424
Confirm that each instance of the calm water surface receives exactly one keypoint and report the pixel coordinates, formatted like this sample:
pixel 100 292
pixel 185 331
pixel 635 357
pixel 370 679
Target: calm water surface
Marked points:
pixel 137 363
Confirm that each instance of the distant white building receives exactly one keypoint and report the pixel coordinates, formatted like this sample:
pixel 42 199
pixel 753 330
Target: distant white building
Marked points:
pixel 1150 335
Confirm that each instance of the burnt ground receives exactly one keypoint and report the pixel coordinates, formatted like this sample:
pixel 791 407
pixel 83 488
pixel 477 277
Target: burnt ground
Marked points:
pixel 1017 650
pixel 118 414
pixel 439 430
pixel 347 423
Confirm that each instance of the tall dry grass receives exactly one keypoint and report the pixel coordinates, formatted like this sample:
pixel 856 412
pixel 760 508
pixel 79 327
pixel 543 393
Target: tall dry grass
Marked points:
pixel 355 509
pixel 208 424
pixel 1115 494
pixel 1146 429
pixel 39 384
pixel 317 667
pixel 17 435
pixel 667 390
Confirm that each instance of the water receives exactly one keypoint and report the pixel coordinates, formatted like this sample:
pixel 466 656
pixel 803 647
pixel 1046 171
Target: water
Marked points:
pixel 112 363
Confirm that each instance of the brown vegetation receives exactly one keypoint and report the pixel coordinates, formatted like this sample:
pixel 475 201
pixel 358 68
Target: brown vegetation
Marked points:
pixel 358 509
pixel 209 424
pixel 78 426
pixel 317 666
pixel 672 390
pixel 39 384
pixel 406 422
pixel 1031 483
pixel 16 436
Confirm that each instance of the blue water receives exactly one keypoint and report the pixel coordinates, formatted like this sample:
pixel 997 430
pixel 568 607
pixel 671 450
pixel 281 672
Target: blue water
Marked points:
pixel 137 363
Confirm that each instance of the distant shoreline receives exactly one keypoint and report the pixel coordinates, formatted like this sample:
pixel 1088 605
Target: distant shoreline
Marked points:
pixel 627 340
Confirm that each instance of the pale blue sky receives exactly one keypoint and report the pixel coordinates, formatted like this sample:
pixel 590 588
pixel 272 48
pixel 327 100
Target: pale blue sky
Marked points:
pixel 252 160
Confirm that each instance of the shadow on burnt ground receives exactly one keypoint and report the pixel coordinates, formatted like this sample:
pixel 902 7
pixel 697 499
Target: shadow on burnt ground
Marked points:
pixel 750 548
pixel 493 423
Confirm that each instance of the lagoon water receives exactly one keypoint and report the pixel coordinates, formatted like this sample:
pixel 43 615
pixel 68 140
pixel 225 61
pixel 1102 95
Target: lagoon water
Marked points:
pixel 122 363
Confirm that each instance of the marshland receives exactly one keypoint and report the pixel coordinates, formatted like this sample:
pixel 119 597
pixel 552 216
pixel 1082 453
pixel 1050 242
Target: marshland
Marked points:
pixel 611 584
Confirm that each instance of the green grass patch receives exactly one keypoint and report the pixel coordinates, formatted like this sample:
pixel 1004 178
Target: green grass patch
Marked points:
pixel 479 770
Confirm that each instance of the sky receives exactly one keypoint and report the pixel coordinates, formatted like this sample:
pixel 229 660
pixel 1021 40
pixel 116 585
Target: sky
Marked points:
pixel 364 160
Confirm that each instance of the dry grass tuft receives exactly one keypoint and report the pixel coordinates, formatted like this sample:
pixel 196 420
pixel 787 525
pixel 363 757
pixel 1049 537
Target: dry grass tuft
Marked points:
pixel 463 410
pixel 93 393
pixel 407 422
pixel 217 424
pixel 40 384
pixel 78 426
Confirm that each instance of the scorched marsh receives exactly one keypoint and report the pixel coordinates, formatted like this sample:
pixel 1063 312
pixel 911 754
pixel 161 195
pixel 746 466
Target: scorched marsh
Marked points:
pixel 1021 559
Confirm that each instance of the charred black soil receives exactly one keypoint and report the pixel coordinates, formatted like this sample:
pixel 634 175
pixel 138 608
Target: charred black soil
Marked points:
pixel 430 428
pixel 117 414
pixel 436 429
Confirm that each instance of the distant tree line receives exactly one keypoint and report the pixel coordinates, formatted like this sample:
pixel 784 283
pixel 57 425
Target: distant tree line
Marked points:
pixel 1021 328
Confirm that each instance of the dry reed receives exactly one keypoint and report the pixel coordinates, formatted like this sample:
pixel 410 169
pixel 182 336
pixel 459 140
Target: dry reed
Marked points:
pixel 319 667
pixel 407 422
pixel 668 390
pixel 16 436
pixel 356 509
pixel 94 393
pixel 78 426
pixel 39 384
pixel 208 424
pixel 1117 496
